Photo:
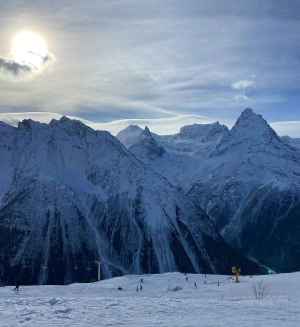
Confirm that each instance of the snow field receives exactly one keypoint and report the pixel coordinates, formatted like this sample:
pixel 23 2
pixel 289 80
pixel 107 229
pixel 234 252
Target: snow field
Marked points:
pixel 103 304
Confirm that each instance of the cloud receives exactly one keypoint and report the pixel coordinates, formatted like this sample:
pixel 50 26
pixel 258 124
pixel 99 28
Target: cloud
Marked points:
pixel 241 98
pixel 48 59
pixel 13 69
pixel 242 84
pixel 10 69
pixel 290 128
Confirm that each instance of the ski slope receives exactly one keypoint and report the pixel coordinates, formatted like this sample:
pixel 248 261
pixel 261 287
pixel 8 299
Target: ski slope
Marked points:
pixel 102 304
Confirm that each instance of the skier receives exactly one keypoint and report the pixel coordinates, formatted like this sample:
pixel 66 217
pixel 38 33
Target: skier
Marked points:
pixel 186 277
pixel 17 287
pixel 195 285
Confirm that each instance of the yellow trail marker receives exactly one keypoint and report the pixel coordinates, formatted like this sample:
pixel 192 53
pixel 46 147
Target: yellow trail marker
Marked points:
pixel 236 271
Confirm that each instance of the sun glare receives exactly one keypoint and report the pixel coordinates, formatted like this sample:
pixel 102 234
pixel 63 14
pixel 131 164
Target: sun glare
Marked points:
pixel 29 48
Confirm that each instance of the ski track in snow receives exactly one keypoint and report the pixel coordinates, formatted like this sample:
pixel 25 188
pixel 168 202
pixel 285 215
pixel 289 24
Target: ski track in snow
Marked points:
pixel 102 304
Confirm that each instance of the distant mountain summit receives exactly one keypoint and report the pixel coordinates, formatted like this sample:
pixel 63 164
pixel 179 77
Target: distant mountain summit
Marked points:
pixel 252 132
pixel 203 132
pixel 130 135
pixel 249 156
pixel 250 185
pixel 146 146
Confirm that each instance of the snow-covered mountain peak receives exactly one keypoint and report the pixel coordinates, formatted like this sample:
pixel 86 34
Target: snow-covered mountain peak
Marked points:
pixel 129 135
pixel 70 124
pixel 31 125
pixel 147 135
pixel 252 126
pixel 251 123
pixel 250 133
pixel 147 146
pixel 133 128
pixel 249 157
pixel 248 112
pixel 146 132
pixel 203 132
pixel 148 140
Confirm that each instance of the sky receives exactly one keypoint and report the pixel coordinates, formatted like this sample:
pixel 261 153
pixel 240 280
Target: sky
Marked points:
pixel 171 61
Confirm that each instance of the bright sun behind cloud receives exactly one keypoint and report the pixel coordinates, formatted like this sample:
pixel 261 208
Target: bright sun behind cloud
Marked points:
pixel 30 49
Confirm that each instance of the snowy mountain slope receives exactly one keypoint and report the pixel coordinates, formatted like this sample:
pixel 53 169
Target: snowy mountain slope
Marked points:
pixel 251 155
pixel 6 146
pixel 174 156
pixel 210 304
pixel 150 149
pixel 147 148
pixel 72 195
pixel 251 185
pixel 193 140
pixel 267 227
pixel 295 142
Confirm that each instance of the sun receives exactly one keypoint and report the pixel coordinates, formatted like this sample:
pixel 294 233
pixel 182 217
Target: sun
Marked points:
pixel 30 49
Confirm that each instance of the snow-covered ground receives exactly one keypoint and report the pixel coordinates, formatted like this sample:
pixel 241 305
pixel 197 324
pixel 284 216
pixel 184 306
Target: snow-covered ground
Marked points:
pixel 102 304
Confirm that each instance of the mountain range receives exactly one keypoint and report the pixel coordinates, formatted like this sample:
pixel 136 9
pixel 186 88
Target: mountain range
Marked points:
pixel 247 179
pixel 71 196
pixel 202 200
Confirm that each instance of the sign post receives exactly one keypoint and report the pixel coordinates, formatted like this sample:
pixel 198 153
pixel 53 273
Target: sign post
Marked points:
pixel 98 262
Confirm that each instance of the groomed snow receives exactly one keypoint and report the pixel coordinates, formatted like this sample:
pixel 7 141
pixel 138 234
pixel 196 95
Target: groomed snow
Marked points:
pixel 102 304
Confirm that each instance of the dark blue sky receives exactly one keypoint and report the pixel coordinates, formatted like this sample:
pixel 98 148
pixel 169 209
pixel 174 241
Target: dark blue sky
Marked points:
pixel 126 59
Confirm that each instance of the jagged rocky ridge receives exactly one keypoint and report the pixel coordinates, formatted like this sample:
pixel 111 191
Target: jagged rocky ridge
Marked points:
pixel 247 180
pixel 71 196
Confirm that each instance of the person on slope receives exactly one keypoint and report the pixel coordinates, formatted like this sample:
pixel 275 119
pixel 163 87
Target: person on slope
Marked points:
pixel 17 287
